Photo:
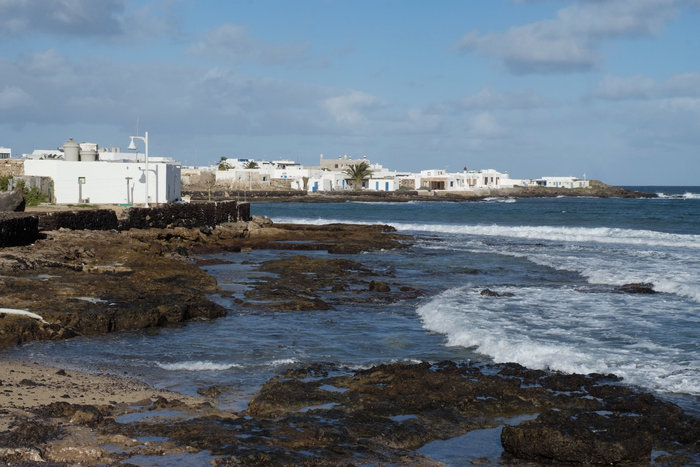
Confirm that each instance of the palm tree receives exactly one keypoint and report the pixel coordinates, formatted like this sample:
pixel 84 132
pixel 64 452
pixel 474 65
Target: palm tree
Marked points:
pixel 223 164
pixel 358 173
pixel 252 165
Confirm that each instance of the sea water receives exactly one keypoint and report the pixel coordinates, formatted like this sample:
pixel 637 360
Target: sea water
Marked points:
pixel 558 264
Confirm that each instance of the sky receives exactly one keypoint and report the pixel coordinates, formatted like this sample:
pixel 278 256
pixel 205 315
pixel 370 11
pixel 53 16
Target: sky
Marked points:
pixel 602 89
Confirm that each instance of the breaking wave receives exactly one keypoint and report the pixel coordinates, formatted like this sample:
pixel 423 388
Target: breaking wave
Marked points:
pixel 197 366
pixel 608 235
pixel 571 331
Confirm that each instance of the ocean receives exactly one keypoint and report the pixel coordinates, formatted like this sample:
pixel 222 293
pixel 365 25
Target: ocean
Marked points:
pixel 558 264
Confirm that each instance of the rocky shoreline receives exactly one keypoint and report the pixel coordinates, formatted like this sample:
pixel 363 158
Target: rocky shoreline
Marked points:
pixel 92 282
pixel 597 189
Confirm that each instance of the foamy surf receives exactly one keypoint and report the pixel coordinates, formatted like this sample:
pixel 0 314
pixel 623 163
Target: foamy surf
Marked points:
pixel 573 331
pixel 605 235
pixel 197 366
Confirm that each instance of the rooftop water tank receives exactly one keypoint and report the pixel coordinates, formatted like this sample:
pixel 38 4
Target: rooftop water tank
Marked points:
pixel 71 150
pixel 89 155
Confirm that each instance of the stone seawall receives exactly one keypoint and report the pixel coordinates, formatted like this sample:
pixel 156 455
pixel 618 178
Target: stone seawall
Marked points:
pixel 185 215
pixel 24 228
pixel 18 229
pixel 99 219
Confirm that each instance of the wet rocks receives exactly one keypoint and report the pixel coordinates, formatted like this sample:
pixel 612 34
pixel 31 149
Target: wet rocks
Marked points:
pixel 580 437
pixel 379 286
pixel 95 282
pixel 325 414
pixel 637 288
pixel 386 413
pixel 492 293
pixel 304 283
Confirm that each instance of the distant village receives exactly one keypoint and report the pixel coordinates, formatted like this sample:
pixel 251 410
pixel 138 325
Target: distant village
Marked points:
pixel 87 173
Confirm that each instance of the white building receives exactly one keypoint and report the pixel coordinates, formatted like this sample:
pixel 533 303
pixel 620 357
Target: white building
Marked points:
pixel 83 173
pixel 561 182
pixel 5 153
pixel 40 154
pixel 108 182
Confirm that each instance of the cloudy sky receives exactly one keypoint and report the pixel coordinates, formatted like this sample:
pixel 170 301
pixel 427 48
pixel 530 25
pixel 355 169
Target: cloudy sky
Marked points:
pixel 605 88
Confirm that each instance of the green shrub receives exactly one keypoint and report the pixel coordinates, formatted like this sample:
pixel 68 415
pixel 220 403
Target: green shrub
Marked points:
pixel 32 196
pixel 5 182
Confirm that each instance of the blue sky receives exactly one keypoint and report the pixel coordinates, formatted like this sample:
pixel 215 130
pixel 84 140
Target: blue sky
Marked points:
pixel 605 88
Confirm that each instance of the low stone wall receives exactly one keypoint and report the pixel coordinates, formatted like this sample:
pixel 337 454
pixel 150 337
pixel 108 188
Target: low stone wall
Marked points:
pixel 18 229
pixel 23 228
pixel 98 219
pixel 241 195
pixel 11 167
pixel 185 215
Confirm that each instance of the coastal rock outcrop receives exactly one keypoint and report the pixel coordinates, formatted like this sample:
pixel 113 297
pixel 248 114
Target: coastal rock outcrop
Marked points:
pixel 637 288
pixel 558 436
pixel 94 282
pixel 324 414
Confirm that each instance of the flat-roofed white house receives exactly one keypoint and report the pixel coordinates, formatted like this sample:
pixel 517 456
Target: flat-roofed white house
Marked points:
pixel 121 179
pixel 562 182
pixel 5 153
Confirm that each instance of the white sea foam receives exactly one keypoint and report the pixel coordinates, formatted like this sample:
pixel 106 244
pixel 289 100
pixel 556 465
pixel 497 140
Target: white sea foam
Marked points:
pixel 197 366
pixel 314 221
pixel 283 362
pixel 686 195
pixel 574 331
pixel 606 235
pixel 499 200
pixel 669 271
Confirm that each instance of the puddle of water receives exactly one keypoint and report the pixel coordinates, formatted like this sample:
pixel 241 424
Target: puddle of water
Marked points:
pixel 403 418
pixel 331 388
pixel 152 439
pixel 477 444
pixel 318 407
pixel 140 416
pixel 200 459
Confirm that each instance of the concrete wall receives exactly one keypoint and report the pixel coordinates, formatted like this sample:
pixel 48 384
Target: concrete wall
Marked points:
pixel 102 182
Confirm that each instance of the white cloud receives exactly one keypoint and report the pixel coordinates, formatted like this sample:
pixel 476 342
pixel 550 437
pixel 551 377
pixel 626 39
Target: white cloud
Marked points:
pixel 684 85
pixel 484 125
pixel 488 99
pixel 61 17
pixel 350 108
pixel 14 97
pixel 571 40
pixel 235 44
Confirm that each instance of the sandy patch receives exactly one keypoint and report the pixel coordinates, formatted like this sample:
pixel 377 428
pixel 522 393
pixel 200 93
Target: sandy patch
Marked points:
pixel 25 386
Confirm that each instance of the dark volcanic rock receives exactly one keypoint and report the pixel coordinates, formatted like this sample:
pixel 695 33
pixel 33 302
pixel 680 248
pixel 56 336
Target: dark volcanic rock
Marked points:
pixel 95 282
pixel 379 286
pixel 12 201
pixel 331 415
pixel 637 287
pixel 580 437
pixel 491 293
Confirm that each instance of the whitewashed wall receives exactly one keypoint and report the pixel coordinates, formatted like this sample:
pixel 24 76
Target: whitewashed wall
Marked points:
pixel 106 182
